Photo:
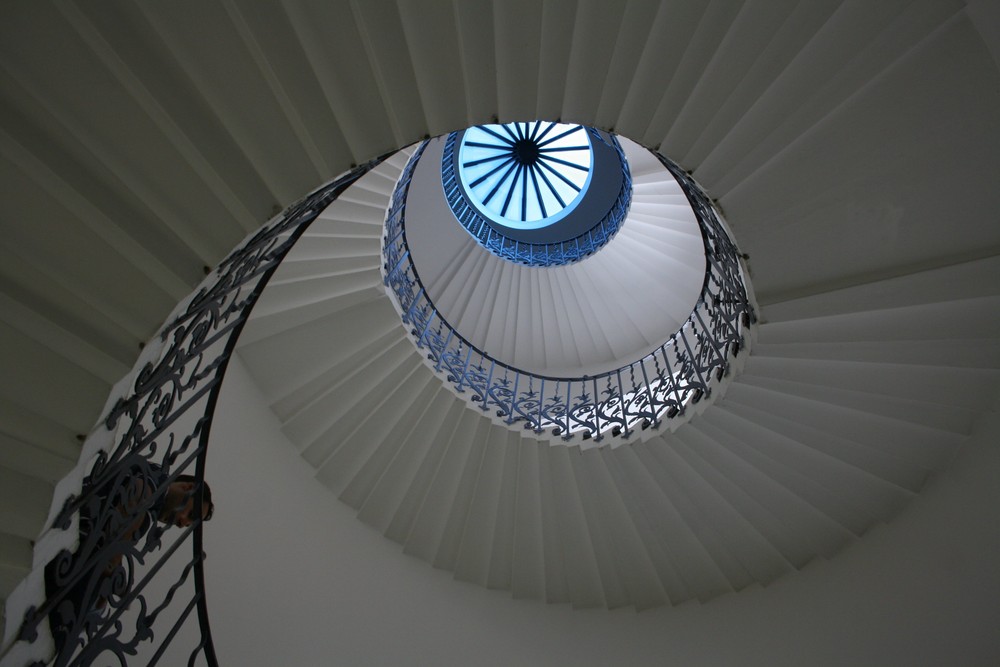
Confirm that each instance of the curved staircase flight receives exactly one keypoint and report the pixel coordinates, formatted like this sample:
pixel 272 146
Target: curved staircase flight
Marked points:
pixel 849 400
pixel 851 145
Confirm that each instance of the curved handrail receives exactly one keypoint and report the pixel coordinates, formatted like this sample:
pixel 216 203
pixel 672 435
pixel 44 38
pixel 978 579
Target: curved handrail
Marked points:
pixel 660 385
pixel 105 603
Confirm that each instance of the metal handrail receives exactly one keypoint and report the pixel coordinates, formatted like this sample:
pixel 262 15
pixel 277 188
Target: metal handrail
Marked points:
pixel 101 594
pixel 682 371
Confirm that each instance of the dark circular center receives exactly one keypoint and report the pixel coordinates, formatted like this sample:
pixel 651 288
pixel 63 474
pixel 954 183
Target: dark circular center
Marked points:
pixel 526 152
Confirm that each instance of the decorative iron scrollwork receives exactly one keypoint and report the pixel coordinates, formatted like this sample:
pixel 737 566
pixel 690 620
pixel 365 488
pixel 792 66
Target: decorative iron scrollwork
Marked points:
pixel 107 600
pixel 660 386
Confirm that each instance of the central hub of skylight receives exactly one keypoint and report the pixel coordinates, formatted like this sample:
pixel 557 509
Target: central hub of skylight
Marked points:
pixel 539 192
pixel 525 175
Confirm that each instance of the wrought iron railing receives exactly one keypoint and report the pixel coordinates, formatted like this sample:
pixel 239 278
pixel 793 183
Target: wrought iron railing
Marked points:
pixel 125 587
pixel 661 385
pixel 536 254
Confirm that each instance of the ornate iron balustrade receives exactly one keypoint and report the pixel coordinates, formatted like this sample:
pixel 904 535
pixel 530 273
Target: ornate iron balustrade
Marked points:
pixel 536 254
pixel 661 385
pixel 114 593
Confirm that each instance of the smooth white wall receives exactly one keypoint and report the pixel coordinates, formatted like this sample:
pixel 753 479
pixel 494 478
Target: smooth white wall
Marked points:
pixel 295 579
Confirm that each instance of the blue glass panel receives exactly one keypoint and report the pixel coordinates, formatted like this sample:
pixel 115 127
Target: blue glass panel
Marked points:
pixel 525 175
pixel 539 193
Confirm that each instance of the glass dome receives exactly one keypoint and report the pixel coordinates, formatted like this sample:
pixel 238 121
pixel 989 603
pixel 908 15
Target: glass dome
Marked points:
pixel 540 192
pixel 525 175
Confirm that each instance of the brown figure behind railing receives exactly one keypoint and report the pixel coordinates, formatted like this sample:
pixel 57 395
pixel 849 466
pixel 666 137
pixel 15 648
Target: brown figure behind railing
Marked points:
pixel 123 516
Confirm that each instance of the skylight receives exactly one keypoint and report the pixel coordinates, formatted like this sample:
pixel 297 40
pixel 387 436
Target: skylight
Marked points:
pixel 526 175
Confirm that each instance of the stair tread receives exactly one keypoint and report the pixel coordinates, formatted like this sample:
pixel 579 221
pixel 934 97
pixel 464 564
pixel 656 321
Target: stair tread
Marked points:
pixel 926 447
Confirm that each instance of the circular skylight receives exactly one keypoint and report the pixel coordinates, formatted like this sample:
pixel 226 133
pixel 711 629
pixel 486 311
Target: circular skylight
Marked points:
pixel 525 175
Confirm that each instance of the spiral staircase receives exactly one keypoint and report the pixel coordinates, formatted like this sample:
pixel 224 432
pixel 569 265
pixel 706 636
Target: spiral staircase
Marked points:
pixel 829 430
pixel 851 146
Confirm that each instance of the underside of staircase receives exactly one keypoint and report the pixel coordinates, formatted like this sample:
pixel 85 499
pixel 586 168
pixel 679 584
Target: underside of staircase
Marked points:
pixel 851 146
pixel 849 401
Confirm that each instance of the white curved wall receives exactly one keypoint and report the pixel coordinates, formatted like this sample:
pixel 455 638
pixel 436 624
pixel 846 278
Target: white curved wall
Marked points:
pixel 295 579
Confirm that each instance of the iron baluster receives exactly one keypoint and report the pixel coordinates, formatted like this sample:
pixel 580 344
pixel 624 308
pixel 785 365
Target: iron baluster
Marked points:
pixel 710 337
pixel 409 312
pixel 513 399
pixel 621 405
pixel 541 401
pixel 440 355
pixel 465 370
pixel 569 403
pixel 489 383
pixel 402 258
pixel 423 334
pixel 674 383
pixel 696 366
pixel 597 414
pixel 649 393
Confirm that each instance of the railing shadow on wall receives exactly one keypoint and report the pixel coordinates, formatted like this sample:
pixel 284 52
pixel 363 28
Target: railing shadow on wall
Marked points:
pixel 111 583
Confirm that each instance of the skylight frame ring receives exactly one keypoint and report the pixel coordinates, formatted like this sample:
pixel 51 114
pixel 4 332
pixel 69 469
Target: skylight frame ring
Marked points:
pixel 483 181
pixel 575 234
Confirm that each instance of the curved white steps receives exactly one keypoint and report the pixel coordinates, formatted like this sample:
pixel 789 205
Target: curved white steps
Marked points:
pixel 848 403
pixel 195 141
pixel 595 315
